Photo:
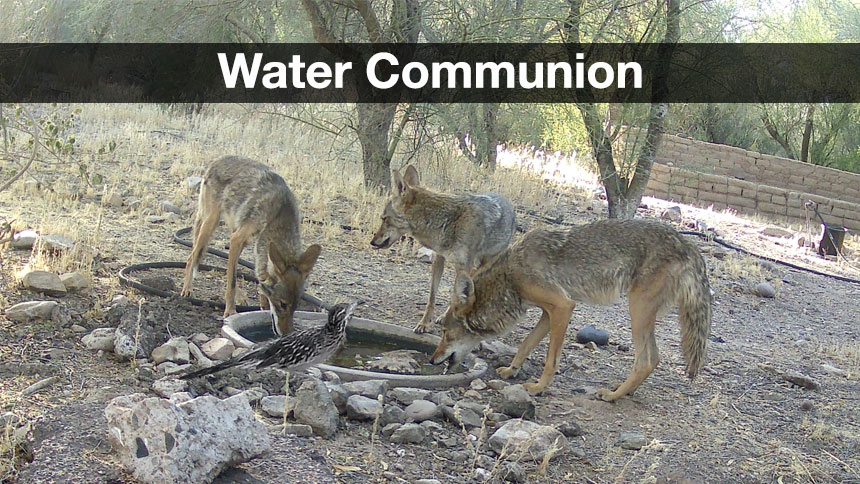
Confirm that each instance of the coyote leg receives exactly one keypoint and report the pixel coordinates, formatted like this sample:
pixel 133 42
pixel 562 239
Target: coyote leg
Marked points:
pixel 526 347
pixel 435 278
pixel 643 317
pixel 237 242
pixel 204 225
pixel 559 318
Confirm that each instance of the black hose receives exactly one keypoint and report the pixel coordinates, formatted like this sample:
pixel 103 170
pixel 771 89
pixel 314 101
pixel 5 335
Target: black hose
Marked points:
pixel 125 280
pixel 177 237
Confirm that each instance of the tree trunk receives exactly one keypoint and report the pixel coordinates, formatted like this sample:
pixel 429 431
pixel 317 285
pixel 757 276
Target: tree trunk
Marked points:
pixel 374 123
pixel 807 133
pixel 490 135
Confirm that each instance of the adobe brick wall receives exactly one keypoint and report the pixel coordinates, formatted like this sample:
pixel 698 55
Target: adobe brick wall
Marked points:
pixel 693 171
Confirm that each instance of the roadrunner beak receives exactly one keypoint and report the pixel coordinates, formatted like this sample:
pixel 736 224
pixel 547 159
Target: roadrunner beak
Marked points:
pixel 274 323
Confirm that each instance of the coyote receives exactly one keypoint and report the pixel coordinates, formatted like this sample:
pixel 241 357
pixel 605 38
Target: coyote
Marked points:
pixel 257 206
pixel 468 230
pixel 594 263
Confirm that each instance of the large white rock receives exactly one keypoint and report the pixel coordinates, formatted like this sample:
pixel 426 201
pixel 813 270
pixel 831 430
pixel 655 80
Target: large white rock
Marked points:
pixel 175 350
pixel 74 281
pixel 524 440
pixel 99 339
pixel 162 441
pixel 315 407
pixel 218 348
pixel 44 282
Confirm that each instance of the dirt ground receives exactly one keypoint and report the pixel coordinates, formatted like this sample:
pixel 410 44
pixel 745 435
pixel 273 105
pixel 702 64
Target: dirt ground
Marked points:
pixel 738 422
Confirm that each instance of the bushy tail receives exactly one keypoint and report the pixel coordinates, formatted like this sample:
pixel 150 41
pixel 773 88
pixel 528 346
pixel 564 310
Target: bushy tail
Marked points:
pixel 694 312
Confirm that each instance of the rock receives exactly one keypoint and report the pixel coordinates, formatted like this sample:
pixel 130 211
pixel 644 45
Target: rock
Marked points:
pixel 168 207
pixel 175 350
pixel 218 348
pixel 198 355
pixel 833 370
pixel 315 407
pixel 273 405
pixel 181 397
pixel 331 376
pixel 777 232
pixel 720 254
pixel 428 481
pixel 112 199
pixel 24 239
pixel 807 405
pixel 367 388
pixel 136 332
pixel 44 282
pixel 39 386
pixel 397 361
pixel 199 338
pixel 31 310
pixel 482 475
pixel 571 429
pixel 339 395
pixel 74 281
pixel 77 328
pixel 443 399
pixel 498 348
pixel 299 430
pixel 472 394
pixel 431 426
pixel 764 289
pixel 160 441
pixel 407 395
pixel 497 384
pixel 801 380
pixel 672 214
pixel 192 183
pixel 425 255
pixel 478 385
pixel 177 369
pixel 392 414
pixel 485 461
pixel 513 472
pixel 363 408
pixel 389 429
pixel 591 345
pixel 462 416
pixel 409 434
pixel 421 410
pixel 99 339
pixel 497 417
pixel 241 351
pixel 56 243
pixel 590 333
pixel 517 402
pixel 526 440
pixel 167 386
pixel 632 441
pixel 254 395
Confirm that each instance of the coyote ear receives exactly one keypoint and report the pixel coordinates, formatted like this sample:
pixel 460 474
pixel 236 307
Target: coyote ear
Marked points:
pixel 464 290
pixel 308 259
pixel 277 259
pixel 398 186
pixel 410 176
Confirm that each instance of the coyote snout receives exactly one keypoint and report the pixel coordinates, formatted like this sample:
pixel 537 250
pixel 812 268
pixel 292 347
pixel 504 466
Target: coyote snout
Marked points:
pixel 257 206
pixel 464 229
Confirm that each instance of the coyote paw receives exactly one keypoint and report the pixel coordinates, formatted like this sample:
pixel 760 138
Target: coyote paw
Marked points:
pixel 507 372
pixel 421 327
pixel 534 388
pixel 229 312
pixel 185 293
pixel 607 395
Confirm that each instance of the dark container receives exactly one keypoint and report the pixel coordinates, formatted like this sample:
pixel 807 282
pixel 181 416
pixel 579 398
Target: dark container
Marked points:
pixel 832 234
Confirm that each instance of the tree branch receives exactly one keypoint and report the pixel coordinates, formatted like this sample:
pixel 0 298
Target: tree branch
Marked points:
pixel 371 23
pixel 321 33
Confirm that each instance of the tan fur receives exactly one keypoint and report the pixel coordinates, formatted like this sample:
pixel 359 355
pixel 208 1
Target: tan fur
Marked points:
pixel 594 263
pixel 466 230
pixel 257 206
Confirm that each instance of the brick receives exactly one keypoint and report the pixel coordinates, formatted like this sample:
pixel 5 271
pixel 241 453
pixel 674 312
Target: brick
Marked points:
pixel 772 189
pixel 739 202
pixel 733 188
pixel 770 208
pixel 712 197
pixel 778 199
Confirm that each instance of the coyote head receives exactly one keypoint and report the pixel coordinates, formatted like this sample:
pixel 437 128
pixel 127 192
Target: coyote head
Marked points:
pixel 284 286
pixel 394 222
pixel 460 332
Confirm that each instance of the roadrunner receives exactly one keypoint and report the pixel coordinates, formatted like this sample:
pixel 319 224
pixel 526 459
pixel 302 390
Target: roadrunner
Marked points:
pixel 296 351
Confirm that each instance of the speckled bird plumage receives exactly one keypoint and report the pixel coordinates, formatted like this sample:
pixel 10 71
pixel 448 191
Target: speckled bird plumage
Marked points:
pixel 298 350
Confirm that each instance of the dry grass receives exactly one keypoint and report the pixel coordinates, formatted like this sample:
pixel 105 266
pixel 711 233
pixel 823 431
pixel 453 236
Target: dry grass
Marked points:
pixel 846 356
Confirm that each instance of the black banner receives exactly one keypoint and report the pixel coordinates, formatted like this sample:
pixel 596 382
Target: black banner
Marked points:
pixel 442 73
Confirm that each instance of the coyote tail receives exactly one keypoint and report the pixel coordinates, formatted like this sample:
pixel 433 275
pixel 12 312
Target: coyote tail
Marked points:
pixel 694 313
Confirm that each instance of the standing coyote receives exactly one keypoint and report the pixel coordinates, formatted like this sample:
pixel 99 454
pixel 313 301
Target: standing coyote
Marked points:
pixel 594 263
pixel 257 206
pixel 468 230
